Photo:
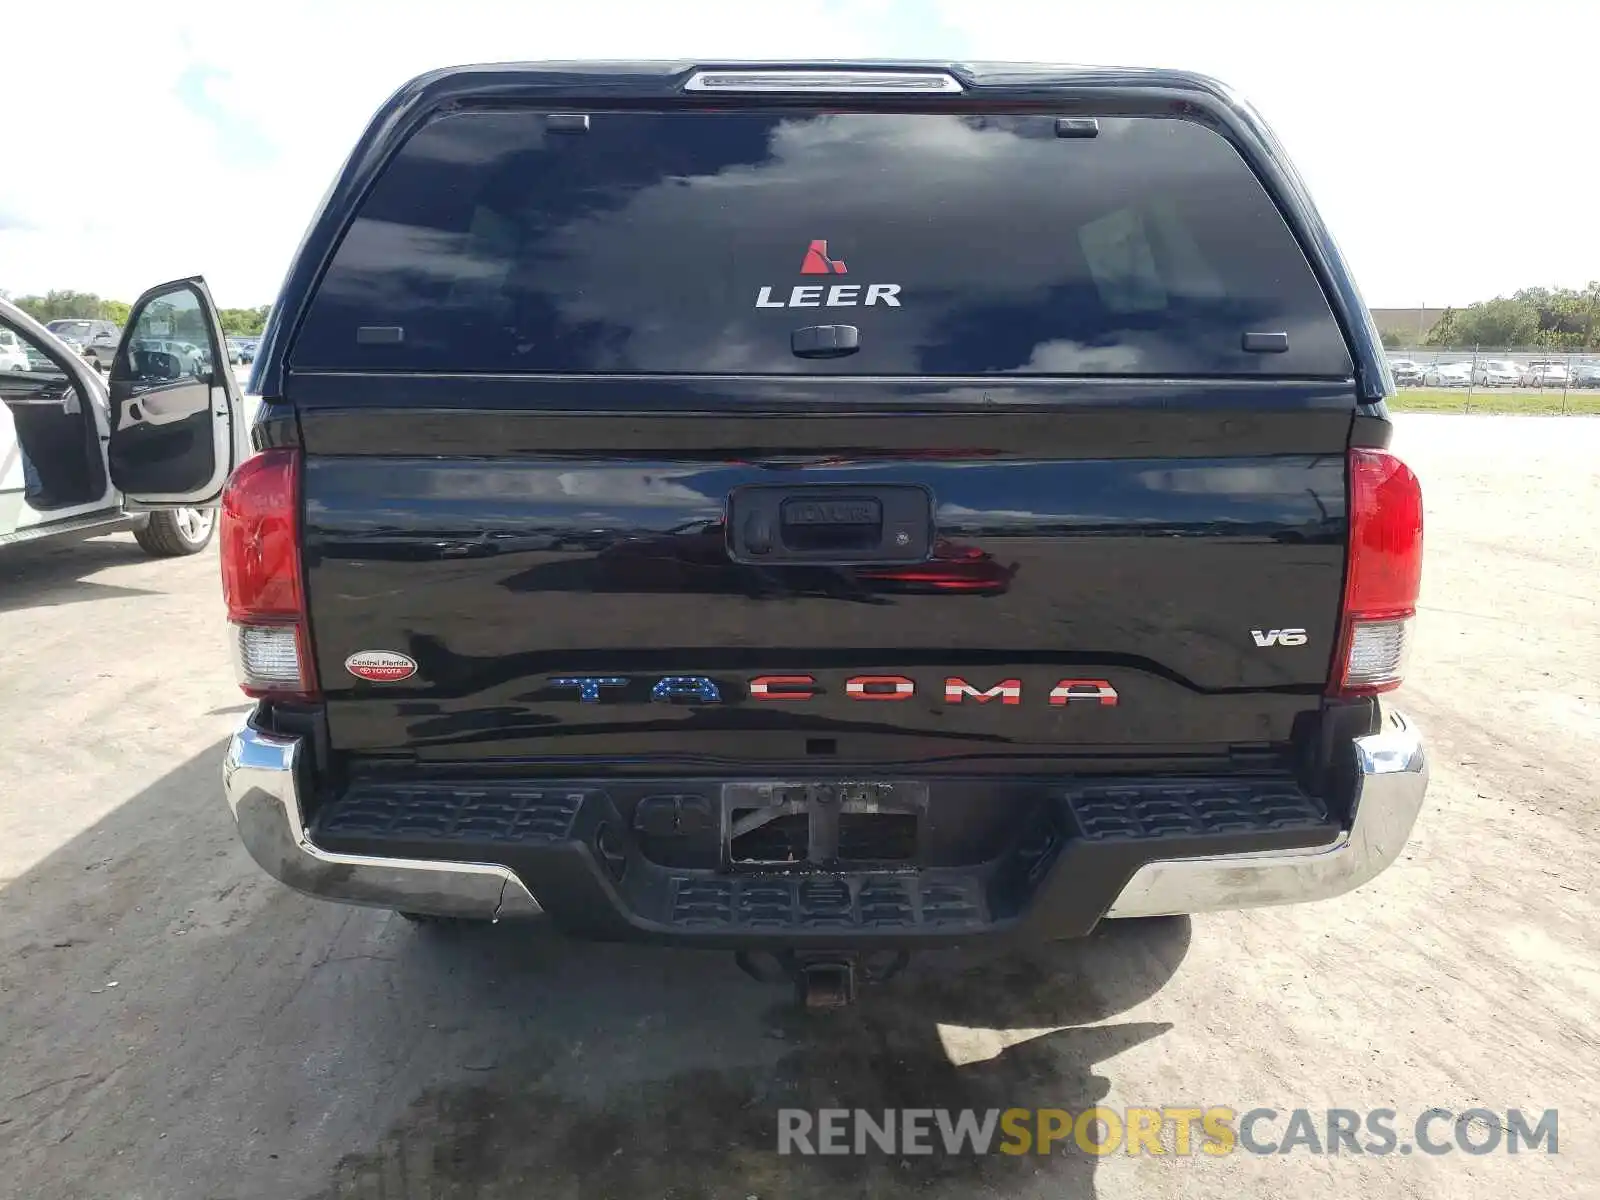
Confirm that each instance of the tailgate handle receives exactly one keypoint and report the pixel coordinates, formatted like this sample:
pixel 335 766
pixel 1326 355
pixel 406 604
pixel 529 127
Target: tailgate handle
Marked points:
pixel 830 523
pixel 825 341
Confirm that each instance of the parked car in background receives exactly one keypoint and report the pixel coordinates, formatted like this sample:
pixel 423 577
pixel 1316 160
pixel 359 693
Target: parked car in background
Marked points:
pixel 1407 372
pixel 1544 374
pixel 1448 375
pixel 96 341
pixel 1497 372
pixel 12 355
pixel 1586 375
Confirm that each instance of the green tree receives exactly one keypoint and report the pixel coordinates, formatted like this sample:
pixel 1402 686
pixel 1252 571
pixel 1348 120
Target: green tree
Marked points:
pixel 54 305
pixel 1446 330
pixel 1568 319
pixel 243 322
pixel 1497 322
pixel 1391 339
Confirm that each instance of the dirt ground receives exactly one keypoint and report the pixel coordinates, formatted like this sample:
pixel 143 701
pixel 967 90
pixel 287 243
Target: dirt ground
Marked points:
pixel 177 1025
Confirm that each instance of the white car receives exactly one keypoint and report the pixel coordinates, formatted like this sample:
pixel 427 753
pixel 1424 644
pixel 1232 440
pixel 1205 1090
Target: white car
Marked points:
pixel 12 356
pixel 1545 374
pixel 1497 372
pixel 1407 372
pixel 74 445
pixel 1448 375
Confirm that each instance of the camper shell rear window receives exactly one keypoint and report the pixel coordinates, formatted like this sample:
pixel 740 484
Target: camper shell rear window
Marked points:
pixel 783 243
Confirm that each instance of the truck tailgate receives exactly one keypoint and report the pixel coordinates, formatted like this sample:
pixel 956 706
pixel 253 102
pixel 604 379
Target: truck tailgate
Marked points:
pixel 1150 568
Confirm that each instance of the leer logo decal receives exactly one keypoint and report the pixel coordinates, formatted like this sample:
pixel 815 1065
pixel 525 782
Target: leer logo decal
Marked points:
pixel 840 295
pixel 380 666
pixel 817 262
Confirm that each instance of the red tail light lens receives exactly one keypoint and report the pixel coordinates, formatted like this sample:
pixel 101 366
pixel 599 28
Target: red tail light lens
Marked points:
pixel 261 582
pixel 1384 574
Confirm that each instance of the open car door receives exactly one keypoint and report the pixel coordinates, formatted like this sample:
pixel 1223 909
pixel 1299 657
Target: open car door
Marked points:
pixel 177 418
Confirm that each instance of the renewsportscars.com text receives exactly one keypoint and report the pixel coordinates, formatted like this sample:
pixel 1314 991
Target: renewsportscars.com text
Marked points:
pixel 1196 1130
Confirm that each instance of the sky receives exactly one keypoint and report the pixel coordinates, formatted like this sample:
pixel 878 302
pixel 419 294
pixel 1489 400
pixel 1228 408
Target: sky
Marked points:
pixel 1449 145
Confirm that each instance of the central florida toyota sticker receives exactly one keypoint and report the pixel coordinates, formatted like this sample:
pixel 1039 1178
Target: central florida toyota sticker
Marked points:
pixel 380 666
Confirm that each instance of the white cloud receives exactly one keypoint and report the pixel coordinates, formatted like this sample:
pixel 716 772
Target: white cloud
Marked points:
pixel 1445 142
pixel 134 187
pixel 1448 143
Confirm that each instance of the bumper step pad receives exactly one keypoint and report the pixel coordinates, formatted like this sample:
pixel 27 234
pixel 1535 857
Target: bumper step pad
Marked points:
pixel 495 813
pixel 867 901
pixel 1193 809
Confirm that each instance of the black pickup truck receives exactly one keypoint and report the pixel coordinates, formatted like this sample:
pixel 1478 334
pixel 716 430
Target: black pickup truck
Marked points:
pixel 817 511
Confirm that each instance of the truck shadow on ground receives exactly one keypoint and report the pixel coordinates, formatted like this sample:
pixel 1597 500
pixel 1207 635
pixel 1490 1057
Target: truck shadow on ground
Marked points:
pixel 643 1122
pixel 177 1024
pixel 54 572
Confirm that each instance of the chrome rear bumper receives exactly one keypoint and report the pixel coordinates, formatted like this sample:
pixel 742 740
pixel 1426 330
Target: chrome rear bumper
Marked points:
pixel 262 771
pixel 259 776
pixel 1391 777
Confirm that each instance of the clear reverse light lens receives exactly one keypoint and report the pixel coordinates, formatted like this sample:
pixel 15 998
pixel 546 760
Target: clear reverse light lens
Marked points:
pixel 822 81
pixel 1377 653
pixel 267 657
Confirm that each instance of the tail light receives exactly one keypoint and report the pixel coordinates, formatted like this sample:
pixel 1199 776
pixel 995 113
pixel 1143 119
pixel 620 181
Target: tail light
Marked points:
pixel 1383 576
pixel 261 579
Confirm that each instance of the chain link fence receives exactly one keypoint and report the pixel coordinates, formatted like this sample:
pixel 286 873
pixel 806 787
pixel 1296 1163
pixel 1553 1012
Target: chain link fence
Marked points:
pixel 1477 371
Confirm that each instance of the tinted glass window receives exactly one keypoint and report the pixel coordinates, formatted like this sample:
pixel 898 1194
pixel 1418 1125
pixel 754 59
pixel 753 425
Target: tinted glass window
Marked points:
pixel 691 242
pixel 71 331
pixel 170 342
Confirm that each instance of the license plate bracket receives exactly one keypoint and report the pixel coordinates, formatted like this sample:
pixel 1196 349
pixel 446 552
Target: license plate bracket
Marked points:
pixel 825 825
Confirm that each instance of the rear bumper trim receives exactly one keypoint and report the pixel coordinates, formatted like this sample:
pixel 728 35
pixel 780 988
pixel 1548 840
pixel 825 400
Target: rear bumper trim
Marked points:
pixel 260 775
pixel 1391 777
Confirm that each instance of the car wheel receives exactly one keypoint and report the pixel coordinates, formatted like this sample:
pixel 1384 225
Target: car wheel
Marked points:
pixel 176 532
